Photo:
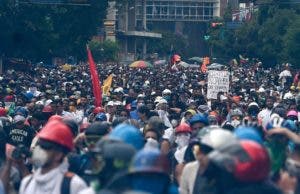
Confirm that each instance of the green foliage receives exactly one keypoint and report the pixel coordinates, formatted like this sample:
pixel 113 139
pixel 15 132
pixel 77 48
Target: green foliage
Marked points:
pixel 37 31
pixel 104 51
pixel 272 35
pixel 168 44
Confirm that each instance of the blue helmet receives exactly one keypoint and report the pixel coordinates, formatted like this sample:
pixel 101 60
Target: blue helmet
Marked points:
pixel 149 160
pixel 134 104
pixel 101 117
pixel 198 118
pixel 248 133
pixel 277 121
pixel 128 134
pixel 291 125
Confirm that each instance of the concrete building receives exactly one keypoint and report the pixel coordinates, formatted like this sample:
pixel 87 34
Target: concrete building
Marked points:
pixel 136 22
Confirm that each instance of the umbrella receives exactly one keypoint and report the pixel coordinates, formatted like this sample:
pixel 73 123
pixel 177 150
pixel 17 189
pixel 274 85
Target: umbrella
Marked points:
pixel 160 62
pixel 183 64
pixel 215 66
pixel 140 64
pixel 197 59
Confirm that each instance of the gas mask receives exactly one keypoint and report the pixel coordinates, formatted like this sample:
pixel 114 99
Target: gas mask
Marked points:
pixel 235 123
pixel 182 140
pixel 39 157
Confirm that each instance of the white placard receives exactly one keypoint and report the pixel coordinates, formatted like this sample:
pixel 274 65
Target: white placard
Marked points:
pixel 218 81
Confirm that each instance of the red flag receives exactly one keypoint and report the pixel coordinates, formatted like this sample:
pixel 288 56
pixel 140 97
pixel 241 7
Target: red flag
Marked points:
pixel 95 80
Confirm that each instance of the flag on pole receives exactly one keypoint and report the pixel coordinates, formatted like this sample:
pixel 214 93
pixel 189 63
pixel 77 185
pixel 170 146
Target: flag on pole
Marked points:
pixel 95 80
pixel 107 85
pixel 204 64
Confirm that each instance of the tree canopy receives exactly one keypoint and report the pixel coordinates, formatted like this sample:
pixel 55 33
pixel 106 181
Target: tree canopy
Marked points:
pixel 38 31
pixel 273 35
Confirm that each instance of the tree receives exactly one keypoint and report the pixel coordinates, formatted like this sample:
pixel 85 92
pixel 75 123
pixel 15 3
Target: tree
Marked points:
pixel 38 32
pixel 104 51
pixel 272 35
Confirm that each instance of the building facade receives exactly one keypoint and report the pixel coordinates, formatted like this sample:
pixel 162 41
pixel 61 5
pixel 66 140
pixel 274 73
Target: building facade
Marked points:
pixel 137 22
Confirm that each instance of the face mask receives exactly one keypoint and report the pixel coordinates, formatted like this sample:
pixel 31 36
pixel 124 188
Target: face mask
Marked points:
pixel 182 140
pixel 151 143
pixel 235 123
pixel 39 157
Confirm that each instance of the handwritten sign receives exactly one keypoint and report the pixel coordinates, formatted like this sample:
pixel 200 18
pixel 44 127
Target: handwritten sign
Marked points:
pixel 218 81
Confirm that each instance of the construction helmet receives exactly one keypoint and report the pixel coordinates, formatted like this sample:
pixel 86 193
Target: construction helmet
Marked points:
pixel 150 160
pixel 217 137
pixel 59 133
pixel 198 118
pixel 183 128
pixel 2 112
pixel 101 117
pixel 246 160
pixel 128 134
pixel 98 110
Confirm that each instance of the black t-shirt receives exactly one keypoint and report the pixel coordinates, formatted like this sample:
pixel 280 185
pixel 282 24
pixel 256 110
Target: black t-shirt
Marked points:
pixel 20 136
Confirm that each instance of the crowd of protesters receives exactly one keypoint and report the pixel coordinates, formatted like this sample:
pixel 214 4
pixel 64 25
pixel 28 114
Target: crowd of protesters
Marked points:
pixel 156 132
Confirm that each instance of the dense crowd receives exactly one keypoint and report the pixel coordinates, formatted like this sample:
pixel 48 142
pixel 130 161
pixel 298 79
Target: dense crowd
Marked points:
pixel 156 132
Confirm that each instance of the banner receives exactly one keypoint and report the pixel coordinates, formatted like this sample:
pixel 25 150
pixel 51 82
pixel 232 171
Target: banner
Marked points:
pixel 95 80
pixel 218 81
pixel 107 84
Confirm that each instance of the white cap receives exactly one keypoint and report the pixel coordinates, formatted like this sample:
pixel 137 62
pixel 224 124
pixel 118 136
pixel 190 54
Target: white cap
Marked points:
pixel 288 96
pixel 253 104
pixel 166 91
pixel 48 102
pixel 110 103
pixel 141 96
pixel 261 90
pixel 162 101
pixel 119 89
pixel 217 138
pixel 117 103
pixel 222 97
pixel 157 99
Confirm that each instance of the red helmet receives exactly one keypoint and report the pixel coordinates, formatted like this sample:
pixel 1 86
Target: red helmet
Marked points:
pixel 258 167
pixel 98 110
pixel 2 112
pixel 47 109
pixel 57 132
pixel 247 160
pixel 55 118
pixel 183 128
pixel 176 58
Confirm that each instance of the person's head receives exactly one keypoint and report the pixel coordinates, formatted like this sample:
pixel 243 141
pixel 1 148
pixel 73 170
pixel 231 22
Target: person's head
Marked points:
pixel 57 106
pixel 189 114
pixel 238 162
pixel 143 112
pixel 270 103
pixel 19 121
pixel 209 139
pixel 55 140
pixel 236 116
pixel 95 132
pixel 110 157
pixel 182 135
pixel 110 107
pixel 197 122
pixel 154 128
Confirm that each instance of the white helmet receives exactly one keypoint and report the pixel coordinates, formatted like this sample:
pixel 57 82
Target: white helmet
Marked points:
pixel 166 91
pixel 217 138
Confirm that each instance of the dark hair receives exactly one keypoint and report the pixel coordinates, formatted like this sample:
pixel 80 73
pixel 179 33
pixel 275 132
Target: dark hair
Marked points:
pixel 144 110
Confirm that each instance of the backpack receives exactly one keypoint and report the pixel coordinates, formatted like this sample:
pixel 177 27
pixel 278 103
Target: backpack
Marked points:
pixel 65 186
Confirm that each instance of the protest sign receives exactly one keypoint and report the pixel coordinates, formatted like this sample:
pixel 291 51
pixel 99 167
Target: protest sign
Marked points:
pixel 218 81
